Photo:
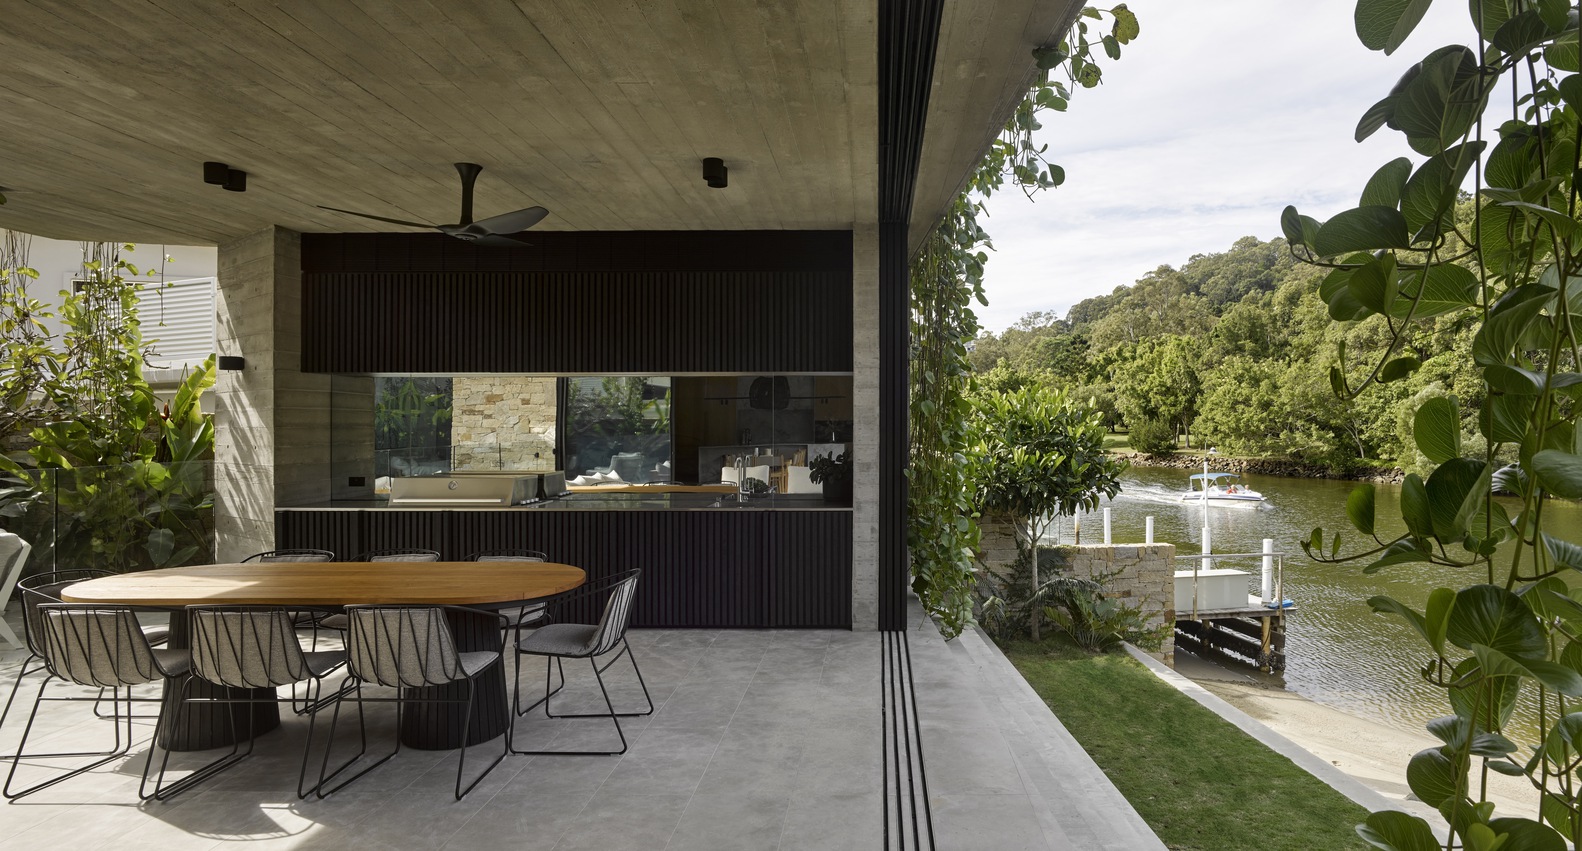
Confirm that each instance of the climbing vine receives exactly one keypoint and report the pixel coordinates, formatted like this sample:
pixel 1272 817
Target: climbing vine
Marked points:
pixel 946 279
pixel 1508 267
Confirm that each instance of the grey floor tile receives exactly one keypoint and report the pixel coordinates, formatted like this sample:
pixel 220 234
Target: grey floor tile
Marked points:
pixel 730 820
pixel 831 821
pixel 622 822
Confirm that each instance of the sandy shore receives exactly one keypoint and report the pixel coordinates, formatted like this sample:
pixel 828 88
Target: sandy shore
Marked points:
pixel 1375 754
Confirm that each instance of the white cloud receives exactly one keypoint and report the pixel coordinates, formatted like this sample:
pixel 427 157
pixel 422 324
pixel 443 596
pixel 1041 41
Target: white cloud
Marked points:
pixel 1216 118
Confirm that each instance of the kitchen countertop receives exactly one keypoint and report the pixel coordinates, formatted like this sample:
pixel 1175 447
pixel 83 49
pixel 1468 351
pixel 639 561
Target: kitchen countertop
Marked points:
pixel 604 502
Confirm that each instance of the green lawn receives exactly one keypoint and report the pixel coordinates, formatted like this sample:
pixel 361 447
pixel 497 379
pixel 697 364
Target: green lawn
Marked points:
pixel 1199 782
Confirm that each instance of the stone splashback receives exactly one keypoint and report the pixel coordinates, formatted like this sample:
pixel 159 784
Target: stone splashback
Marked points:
pixel 503 422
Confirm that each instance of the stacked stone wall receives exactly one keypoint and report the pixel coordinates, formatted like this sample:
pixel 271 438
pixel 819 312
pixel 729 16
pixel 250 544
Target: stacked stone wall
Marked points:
pixel 1141 573
pixel 503 422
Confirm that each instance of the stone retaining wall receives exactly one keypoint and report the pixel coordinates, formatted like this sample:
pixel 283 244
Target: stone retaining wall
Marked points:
pixel 1144 573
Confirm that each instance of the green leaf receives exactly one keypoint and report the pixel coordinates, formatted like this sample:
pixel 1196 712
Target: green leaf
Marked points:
pixel 1048 58
pixel 1489 15
pixel 1552 675
pixel 1436 427
pixel 1436 620
pixel 1521 834
pixel 1437 106
pixel 1435 777
pixel 1455 491
pixel 1507 323
pixel 1126 27
pixel 1377 116
pixel 1563 54
pixel 1384 187
pixel 1362 229
pixel 1521 33
pixel 1373 285
pixel 1398 369
pixel 1562 224
pixel 1397 831
pixel 1513 380
pixel 1112 48
pixel 1414 506
pixel 1489 701
pixel 1360 508
pixel 1429 197
pixel 1555 13
pixel 1298 229
pixel 1444 288
pixel 1495 618
pixel 1558 472
pixel 1385 24
pixel 1385 605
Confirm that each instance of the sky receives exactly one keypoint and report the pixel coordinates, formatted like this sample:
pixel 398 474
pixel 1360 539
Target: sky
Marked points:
pixel 1219 115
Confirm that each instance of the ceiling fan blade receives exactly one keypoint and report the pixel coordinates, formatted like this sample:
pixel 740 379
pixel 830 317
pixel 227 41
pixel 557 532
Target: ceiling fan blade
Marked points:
pixel 377 218
pixel 512 222
pixel 497 241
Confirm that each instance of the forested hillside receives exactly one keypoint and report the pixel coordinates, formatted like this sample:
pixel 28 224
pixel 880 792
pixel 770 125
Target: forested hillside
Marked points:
pixel 1233 350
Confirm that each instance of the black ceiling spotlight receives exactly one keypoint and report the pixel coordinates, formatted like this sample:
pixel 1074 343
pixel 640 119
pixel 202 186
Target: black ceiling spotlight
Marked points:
pixel 220 174
pixel 714 173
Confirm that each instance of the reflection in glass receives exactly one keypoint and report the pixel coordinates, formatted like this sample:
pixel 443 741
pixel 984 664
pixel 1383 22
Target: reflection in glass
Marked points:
pixel 618 425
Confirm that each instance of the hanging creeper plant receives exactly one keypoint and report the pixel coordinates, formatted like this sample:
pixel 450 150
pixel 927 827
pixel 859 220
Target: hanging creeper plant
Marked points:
pixel 946 278
pixel 1508 263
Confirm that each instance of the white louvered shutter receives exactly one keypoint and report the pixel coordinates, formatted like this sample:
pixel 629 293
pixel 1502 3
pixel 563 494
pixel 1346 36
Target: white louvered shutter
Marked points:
pixel 178 321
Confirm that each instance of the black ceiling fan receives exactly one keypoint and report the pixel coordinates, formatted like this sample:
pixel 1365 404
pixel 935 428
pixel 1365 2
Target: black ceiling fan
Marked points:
pixel 494 230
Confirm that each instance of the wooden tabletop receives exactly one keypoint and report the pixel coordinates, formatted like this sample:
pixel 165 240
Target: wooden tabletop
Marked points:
pixel 461 583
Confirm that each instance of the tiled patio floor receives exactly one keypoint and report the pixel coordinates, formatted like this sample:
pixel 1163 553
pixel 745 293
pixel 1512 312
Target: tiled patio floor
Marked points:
pixel 761 740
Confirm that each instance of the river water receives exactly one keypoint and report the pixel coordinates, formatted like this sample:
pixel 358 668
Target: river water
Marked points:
pixel 1338 652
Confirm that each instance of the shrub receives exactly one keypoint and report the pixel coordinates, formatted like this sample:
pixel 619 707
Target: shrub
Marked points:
pixel 1153 436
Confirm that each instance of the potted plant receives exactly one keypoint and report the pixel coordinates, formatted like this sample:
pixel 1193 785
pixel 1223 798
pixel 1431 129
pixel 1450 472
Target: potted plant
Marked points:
pixel 834 473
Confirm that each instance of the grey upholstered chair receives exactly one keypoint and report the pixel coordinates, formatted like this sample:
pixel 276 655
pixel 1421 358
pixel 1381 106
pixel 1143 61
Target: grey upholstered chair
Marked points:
pixel 247 647
pixel 338 622
pixel 528 613
pixel 99 647
pixel 409 648
pixel 560 641
pixel 290 556
pixel 43 588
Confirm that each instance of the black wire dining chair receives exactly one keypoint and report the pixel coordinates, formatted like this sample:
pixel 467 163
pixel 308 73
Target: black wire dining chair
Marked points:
pixel 560 641
pixel 94 646
pixel 408 648
pixel 520 617
pixel 44 588
pixel 299 555
pixel 243 648
pixel 338 621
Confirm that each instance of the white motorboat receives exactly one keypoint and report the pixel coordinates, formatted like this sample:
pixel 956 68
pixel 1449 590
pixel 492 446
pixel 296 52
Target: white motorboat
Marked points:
pixel 1220 488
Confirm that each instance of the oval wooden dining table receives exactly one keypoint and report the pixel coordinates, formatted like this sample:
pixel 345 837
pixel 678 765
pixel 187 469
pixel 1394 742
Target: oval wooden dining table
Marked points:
pixel 328 585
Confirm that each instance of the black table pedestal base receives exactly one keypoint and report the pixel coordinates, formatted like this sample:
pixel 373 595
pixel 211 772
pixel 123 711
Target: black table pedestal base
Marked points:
pixel 437 726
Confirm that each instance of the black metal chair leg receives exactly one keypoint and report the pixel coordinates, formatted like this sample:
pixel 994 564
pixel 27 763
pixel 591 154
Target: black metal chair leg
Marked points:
pixel 120 750
pixel 320 791
pixel 614 717
pixel 216 766
pixel 627 651
pixel 466 727
pixel 516 691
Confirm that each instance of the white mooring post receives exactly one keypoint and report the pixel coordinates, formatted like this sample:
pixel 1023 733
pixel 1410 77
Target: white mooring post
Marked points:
pixel 1148 529
pixel 1106 526
pixel 1268 570
pixel 1076 529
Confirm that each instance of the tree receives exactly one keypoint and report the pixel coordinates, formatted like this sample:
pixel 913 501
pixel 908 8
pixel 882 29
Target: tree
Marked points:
pixel 1040 455
pixel 1160 380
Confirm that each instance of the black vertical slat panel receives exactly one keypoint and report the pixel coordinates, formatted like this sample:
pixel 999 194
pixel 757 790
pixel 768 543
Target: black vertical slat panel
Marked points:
pixel 618 302
pixel 700 568
pixel 336 531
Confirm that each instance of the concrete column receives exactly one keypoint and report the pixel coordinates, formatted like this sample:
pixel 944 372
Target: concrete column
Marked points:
pixel 272 422
pixel 865 428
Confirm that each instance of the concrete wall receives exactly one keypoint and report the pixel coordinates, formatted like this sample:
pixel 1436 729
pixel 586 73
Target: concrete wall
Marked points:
pixel 865 429
pixel 503 422
pixel 272 421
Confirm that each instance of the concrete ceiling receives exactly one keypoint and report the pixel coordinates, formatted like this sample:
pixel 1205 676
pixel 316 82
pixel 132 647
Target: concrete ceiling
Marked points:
pixel 600 111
